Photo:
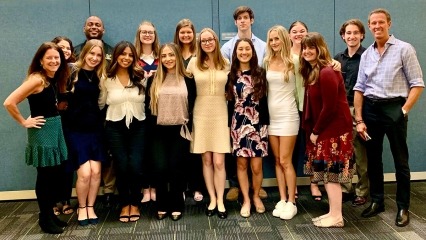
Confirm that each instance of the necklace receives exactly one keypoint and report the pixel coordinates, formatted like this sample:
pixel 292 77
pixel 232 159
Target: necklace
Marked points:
pixel 89 78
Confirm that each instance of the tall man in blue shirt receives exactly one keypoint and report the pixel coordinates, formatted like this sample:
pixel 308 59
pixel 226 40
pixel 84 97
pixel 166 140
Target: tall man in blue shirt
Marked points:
pixel 244 18
pixel 390 82
pixel 353 33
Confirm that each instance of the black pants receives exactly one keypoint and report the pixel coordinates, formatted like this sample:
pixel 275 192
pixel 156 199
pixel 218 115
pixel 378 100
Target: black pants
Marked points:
pixel 48 185
pixel 169 158
pixel 385 117
pixel 127 146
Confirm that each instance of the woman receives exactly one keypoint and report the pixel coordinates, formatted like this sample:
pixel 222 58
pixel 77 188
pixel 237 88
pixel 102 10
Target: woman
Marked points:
pixel 328 125
pixel 284 117
pixel 248 118
pixel 147 46
pixel 84 123
pixel 186 39
pixel 210 131
pixel 169 103
pixel 46 149
pixel 64 204
pixel 124 93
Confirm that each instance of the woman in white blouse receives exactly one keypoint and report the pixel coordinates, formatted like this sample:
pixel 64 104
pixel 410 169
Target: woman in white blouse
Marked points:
pixel 124 93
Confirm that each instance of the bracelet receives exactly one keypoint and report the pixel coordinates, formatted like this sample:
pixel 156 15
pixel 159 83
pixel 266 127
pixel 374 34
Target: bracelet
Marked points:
pixel 359 122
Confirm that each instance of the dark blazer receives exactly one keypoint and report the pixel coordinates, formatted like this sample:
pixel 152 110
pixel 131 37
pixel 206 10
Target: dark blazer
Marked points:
pixel 192 93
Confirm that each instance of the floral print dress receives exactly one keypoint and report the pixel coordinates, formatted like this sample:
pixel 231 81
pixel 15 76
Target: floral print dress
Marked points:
pixel 249 137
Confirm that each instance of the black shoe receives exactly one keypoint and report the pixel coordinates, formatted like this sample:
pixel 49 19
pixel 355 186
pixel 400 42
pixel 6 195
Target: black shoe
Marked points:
pixel 210 212
pixel 58 221
pixel 346 197
pixel 402 218
pixel 108 200
pixel 373 210
pixel 161 216
pixel 222 215
pixel 46 223
pixel 176 217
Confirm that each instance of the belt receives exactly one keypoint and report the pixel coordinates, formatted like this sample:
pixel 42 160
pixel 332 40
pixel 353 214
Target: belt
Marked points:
pixel 385 100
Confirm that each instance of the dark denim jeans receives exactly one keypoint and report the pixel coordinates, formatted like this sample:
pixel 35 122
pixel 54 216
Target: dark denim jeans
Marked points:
pixel 127 146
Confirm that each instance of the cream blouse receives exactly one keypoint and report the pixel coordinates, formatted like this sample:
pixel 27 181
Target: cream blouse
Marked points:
pixel 123 102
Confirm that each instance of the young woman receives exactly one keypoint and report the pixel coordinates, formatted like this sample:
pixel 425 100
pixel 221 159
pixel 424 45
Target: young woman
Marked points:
pixel 124 93
pixel 328 125
pixel 64 204
pixel 147 46
pixel 210 131
pixel 186 39
pixel 169 103
pixel 84 124
pixel 248 118
pixel 46 149
pixel 283 115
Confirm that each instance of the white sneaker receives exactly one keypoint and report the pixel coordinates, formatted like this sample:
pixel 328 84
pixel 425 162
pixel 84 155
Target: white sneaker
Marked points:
pixel 279 208
pixel 289 211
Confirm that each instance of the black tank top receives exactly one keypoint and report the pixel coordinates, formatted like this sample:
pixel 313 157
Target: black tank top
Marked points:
pixel 44 102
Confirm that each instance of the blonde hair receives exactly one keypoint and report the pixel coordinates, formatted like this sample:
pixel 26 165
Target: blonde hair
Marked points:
pixel 155 44
pixel 284 53
pixel 161 74
pixel 100 68
pixel 218 59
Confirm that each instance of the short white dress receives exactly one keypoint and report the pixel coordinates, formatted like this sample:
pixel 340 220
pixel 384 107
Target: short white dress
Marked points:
pixel 283 113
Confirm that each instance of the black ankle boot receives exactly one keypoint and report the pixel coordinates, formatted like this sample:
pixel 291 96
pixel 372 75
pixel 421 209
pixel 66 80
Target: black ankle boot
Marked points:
pixel 48 225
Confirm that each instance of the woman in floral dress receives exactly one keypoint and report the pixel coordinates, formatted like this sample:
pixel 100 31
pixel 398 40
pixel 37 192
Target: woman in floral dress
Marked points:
pixel 248 118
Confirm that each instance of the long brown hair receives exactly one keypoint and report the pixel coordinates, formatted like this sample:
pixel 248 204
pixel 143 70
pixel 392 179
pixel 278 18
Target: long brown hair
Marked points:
pixel 258 74
pixel 61 75
pixel 134 70
pixel 181 24
pixel 218 59
pixel 310 72
pixel 57 39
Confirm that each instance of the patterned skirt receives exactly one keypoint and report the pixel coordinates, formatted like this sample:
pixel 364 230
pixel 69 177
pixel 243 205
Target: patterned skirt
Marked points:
pixel 46 145
pixel 330 160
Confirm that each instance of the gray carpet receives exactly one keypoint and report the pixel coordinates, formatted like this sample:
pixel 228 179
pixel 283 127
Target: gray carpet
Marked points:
pixel 18 220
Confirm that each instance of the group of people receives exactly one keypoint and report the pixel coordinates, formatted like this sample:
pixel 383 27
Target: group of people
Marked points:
pixel 154 109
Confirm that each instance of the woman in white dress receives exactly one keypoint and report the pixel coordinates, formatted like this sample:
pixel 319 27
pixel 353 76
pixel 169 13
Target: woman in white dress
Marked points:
pixel 283 115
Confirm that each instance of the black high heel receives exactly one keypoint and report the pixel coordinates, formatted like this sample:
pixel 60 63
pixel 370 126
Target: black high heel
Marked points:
pixel 210 212
pixel 93 221
pixel 83 222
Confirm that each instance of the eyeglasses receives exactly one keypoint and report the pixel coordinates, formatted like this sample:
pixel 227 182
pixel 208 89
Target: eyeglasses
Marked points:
pixel 147 32
pixel 207 41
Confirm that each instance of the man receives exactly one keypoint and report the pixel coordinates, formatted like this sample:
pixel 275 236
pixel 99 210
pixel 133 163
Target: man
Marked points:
pixel 353 32
pixel 390 82
pixel 94 29
pixel 243 19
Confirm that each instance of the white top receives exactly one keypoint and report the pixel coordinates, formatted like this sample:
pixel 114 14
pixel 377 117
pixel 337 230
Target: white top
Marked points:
pixel 123 102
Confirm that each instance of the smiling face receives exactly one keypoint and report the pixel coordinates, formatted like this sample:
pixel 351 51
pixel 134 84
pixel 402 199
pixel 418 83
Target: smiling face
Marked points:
pixel 94 28
pixel 379 26
pixel 244 52
pixel 274 41
pixel 352 36
pixel 168 59
pixel 66 48
pixel 297 32
pixel 51 62
pixel 93 58
pixel 186 35
pixel 207 41
pixel 310 54
pixel 147 34
pixel 126 58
